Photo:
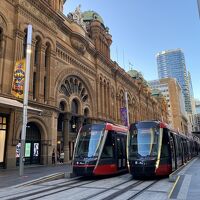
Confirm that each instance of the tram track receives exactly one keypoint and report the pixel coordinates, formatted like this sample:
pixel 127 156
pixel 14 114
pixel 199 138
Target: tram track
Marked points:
pixel 119 192
pixel 108 189
pixel 124 190
pixel 40 191
pixel 142 190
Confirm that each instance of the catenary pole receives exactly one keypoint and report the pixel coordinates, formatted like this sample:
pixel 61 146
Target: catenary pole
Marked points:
pixel 25 102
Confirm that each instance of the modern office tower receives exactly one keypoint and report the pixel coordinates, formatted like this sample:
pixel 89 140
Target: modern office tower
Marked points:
pixel 190 85
pixel 191 93
pixel 171 64
pixel 177 116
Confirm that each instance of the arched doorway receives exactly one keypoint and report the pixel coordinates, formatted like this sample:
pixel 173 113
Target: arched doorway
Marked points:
pixel 75 94
pixel 32 145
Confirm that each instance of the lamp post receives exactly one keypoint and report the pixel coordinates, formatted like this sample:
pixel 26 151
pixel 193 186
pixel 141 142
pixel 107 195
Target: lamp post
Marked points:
pixel 25 102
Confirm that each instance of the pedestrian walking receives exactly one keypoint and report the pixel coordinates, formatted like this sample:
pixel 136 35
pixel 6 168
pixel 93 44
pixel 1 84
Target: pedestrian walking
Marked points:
pixel 53 157
pixel 62 155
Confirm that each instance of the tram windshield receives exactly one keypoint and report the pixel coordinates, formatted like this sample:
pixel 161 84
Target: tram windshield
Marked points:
pixel 144 142
pixel 89 141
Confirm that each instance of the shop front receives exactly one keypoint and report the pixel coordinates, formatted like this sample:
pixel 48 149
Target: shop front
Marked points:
pixel 3 132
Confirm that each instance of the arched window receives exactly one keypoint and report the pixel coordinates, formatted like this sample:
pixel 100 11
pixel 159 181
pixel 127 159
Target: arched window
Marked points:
pixel 86 112
pixel 37 50
pixel 47 55
pixel 25 43
pixel 61 116
pixel 45 90
pixel 62 106
pixel 1 42
pixel 34 85
pixel 74 107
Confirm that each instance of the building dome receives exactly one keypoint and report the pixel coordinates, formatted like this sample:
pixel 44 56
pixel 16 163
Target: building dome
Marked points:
pixel 135 74
pixel 91 15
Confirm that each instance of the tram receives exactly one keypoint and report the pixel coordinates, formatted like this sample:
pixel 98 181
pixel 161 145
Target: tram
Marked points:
pixel 154 149
pixel 100 149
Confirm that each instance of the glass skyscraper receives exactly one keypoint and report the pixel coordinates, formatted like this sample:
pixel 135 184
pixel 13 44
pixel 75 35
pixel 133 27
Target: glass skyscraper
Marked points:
pixel 171 64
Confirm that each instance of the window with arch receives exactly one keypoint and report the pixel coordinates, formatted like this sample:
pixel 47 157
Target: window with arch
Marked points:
pixel 1 41
pixel 45 91
pixel 61 116
pixel 62 106
pixel 34 85
pixel 122 99
pixel 86 112
pixel 37 50
pixel 47 55
pixel 73 85
pixel 74 106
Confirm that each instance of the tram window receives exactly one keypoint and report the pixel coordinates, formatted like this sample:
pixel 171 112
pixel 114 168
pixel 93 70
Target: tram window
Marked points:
pixel 123 140
pixel 119 147
pixel 108 147
pixel 165 143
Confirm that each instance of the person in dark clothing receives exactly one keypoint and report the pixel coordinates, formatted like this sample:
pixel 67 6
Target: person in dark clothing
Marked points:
pixel 53 157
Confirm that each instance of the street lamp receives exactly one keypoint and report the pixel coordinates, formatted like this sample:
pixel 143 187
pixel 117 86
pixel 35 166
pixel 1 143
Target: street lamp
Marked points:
pixel 25 102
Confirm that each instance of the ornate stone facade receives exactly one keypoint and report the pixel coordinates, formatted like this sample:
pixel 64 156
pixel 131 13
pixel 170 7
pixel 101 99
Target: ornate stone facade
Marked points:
pixel 72 78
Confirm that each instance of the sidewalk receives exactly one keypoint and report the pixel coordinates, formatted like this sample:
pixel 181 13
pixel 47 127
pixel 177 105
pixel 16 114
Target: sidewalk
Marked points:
pixel 11 177
pixel 186 186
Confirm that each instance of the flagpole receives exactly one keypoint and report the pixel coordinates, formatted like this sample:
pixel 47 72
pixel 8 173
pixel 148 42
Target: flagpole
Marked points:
pixel 127 113
pixel 25 102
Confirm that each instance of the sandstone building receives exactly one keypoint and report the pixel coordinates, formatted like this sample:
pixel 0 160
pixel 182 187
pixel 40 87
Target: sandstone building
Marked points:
pixel 73 81
pixel 170 88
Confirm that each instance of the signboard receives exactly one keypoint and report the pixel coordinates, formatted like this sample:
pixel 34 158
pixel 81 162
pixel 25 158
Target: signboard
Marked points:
pixel 28 150
pixel 36 150
pixel 18 79
pixel 123 114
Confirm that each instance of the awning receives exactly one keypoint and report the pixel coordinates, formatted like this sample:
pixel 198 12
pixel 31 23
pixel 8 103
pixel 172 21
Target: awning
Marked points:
pixel 15 104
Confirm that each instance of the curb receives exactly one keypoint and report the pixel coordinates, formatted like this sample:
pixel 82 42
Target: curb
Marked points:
pixel 173 176
pixel 43 179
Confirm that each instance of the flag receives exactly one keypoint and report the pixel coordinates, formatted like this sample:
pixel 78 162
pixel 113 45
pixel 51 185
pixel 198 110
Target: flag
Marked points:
pixel 123 113
pixel 19 79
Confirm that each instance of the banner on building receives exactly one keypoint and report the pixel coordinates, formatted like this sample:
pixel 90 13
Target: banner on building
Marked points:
pixel 19 79
pixel 123 114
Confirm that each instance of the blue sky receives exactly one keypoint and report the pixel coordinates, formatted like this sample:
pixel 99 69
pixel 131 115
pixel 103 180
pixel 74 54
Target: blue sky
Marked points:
pixel 142 28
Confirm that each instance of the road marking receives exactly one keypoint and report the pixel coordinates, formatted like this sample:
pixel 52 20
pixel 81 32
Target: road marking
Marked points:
pixel 172 190
pixel 184 187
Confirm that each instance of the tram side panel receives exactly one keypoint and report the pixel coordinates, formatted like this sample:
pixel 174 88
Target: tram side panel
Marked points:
pixel 113 157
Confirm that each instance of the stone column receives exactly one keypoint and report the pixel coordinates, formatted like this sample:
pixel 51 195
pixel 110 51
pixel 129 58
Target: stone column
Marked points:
pixel 32 69
pixel 103 103
pixel 98 94
pixel 67 117
pixel 51 78
pixel 105 100
pixel 41 73
pixel 109 102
